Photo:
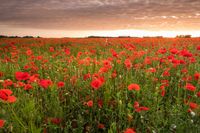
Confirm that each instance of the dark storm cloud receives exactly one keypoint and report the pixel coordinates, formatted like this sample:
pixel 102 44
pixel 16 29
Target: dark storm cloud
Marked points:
pixel 101 14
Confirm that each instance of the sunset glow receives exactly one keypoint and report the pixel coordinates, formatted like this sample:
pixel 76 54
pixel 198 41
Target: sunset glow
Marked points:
pixel 80 18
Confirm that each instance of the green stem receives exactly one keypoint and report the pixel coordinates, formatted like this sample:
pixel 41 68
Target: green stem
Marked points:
pixel 16 117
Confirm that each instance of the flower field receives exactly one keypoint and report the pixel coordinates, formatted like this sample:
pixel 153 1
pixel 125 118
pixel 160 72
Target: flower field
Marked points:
pixel 97 85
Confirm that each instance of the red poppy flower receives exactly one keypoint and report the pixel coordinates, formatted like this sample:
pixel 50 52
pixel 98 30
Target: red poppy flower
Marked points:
pixel 198 94
pixel 100 103
pixel 114 74
pixel 51 49
pixel 5 95
pixel 45 83
pixel 193 105
pixel 196 76
pixel 136 104
pixel 129 130
pixel 144 108
pixel 190 87
pixel 22 75
pixel 198 47
pixel 60 84
pixel 162 51
pixel 7 83
pixel 86 76
pixel 101 126
pixel 97 83
pixel 128 64
pixel 67 51
pixel 134 87
pixel 166 74
pixel 56 121
pixel 28 87
pixel 174 51
pixel 90 103
pixel 163 93
pixel 29 52
pixel 2 123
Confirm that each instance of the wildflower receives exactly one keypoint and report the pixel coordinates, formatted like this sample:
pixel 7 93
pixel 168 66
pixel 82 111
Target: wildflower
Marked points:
pixel 29 52
pixel 90 103
pixel 138 108
pixel 60 84
pixel 136 104
pixel 134 87
pixel 198 94
pixel 28 87
pixel 163 93
pixel 56 121
pixel 193 105
pixel 34 78
pixel 22 75
pixel 162 51
pixel 152 70
pixel 129 130
pixel 2 123
pixel 114 74
pixel 198 47
pixel 166 74
pixel 128 64
pixel 7 83
pixel 100 103
pixel 174 51
pixel 190 87
pixel 67 51
pixel 196 76
pixel 86 76
pixel 51 49
pixel 101 126
pixel 97 83
pixel 45 83
pixel 5 95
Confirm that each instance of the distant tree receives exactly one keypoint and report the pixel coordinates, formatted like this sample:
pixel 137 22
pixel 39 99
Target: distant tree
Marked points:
pixel 28 37
pixel 183 36
pixel 2 36
pixel 123 36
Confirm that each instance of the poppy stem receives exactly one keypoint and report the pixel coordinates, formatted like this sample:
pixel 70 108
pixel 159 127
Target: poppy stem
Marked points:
pixel 15 116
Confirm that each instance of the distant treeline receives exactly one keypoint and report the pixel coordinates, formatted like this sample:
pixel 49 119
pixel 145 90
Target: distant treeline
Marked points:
pixel 178 36
pixel 183 36
pixel 3 36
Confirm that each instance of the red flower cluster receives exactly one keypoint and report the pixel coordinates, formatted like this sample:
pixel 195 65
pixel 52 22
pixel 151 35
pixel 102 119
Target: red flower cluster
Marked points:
pixel 5 95
pixel 22 75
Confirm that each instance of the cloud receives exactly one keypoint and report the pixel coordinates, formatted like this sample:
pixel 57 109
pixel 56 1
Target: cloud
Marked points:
pixel 101 14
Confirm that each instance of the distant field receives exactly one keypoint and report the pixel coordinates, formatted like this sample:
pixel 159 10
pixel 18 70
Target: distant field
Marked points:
pixel 90 85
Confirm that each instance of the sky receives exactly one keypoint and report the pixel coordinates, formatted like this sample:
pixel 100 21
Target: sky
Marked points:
pixel 80 18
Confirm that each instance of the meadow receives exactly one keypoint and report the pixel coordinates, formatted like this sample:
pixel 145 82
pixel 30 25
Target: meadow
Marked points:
pixel 97 85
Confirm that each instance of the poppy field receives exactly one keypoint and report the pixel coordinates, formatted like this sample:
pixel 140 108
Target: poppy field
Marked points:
pixel 100 85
